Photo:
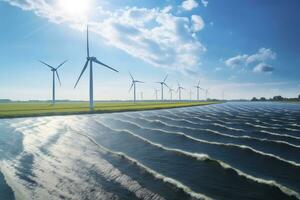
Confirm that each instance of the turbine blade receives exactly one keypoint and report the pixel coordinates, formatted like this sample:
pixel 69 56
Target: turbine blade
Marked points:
pixel 165 78
pixel 58 77
pixel 166 85
pixel 84 68
pixel 139 81
pixel 198 83
pixel 61 64
pixel 46 64
pixel 131 86
pixel 131 76
pixel 100 63
pixel 87 41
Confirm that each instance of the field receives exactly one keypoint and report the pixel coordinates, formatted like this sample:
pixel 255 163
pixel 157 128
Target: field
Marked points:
pixel 30 109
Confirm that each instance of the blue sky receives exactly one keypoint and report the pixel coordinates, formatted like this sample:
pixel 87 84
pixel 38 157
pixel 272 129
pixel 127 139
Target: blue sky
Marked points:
pixel 245 48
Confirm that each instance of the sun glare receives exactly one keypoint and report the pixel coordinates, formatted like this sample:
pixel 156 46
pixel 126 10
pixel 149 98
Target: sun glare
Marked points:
pixel 74 8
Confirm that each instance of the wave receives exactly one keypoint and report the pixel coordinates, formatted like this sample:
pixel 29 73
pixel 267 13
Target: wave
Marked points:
pixel 204 157
pixel 155 174
pixel 243 137
pixel 243 147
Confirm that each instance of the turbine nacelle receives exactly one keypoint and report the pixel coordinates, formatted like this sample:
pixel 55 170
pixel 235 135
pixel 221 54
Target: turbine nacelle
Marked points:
pixel 92 58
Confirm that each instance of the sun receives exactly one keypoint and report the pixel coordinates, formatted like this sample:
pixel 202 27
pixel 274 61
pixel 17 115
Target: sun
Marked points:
pixel 74 8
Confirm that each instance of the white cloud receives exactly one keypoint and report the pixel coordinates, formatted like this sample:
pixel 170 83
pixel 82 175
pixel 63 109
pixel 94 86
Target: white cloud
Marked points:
pixel 218 69
pixel 236 61
pixel 204 2
pixel 189 4
pixel 258 60
pixel 263 67
pixel 198 23
pixel 154 35
pixel 262 55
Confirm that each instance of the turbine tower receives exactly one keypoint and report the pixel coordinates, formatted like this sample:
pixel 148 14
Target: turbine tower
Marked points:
pixel 133 84
pixel 54 71
pixel 90 60
pixel 190 94
pixel 206 93
pixel 179 88
pixel 198 88
pixel 155 92
pixel 171 90
pixel 162 84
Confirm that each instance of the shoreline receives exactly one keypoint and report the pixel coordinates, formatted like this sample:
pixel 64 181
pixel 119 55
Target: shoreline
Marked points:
pixel 124 108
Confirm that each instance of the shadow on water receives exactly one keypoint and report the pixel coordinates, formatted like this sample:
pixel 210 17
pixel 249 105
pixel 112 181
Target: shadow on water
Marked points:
pixel 6 192
pixel 11 145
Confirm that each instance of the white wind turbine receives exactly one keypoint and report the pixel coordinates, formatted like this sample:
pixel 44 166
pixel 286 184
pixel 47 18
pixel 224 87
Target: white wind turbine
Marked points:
pixel 163 83
pixel 190 94
pixel 90 60
pixel 54 71
pixel 171 90
pixel 133 84
pixel 156 93
pixel 179 88
pixel 206 93
pixel 198 88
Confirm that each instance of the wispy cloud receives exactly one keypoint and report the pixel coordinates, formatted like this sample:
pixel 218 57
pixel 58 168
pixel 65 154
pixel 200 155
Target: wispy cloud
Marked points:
pixel 198 23
pixel 263 67
pixel 189 4
pixel 155 35
pixel 258 60
pixel 204 2
pixel 192 4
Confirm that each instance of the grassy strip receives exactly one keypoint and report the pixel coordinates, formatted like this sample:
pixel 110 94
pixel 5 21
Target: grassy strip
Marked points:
pixel 13 110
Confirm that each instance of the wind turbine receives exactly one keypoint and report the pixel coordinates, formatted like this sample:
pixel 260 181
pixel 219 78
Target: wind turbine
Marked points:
pixel 198 88
pixel 90 60
pixel 190 94
pixel 206 92
pixel 155 92
pixel 171 90
pixel 179 91
pixel 54 71
pixel 162 87
pixel 133 84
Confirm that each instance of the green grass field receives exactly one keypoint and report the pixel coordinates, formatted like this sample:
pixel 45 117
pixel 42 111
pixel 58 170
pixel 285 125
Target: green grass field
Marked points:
pixel 30 109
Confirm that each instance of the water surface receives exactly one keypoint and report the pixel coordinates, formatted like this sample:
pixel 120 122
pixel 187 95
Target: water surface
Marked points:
pixel 224 151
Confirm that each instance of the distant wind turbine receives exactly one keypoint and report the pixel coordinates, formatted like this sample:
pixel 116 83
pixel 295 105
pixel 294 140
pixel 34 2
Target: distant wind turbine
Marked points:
pixel 90 60
pixel 133 84
pixel 206 93
pixel 190 94
pixel 163 83
pixel 54 71
pixel 179 88
pixel 171 90
pixel 155 92
pixel 198 88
